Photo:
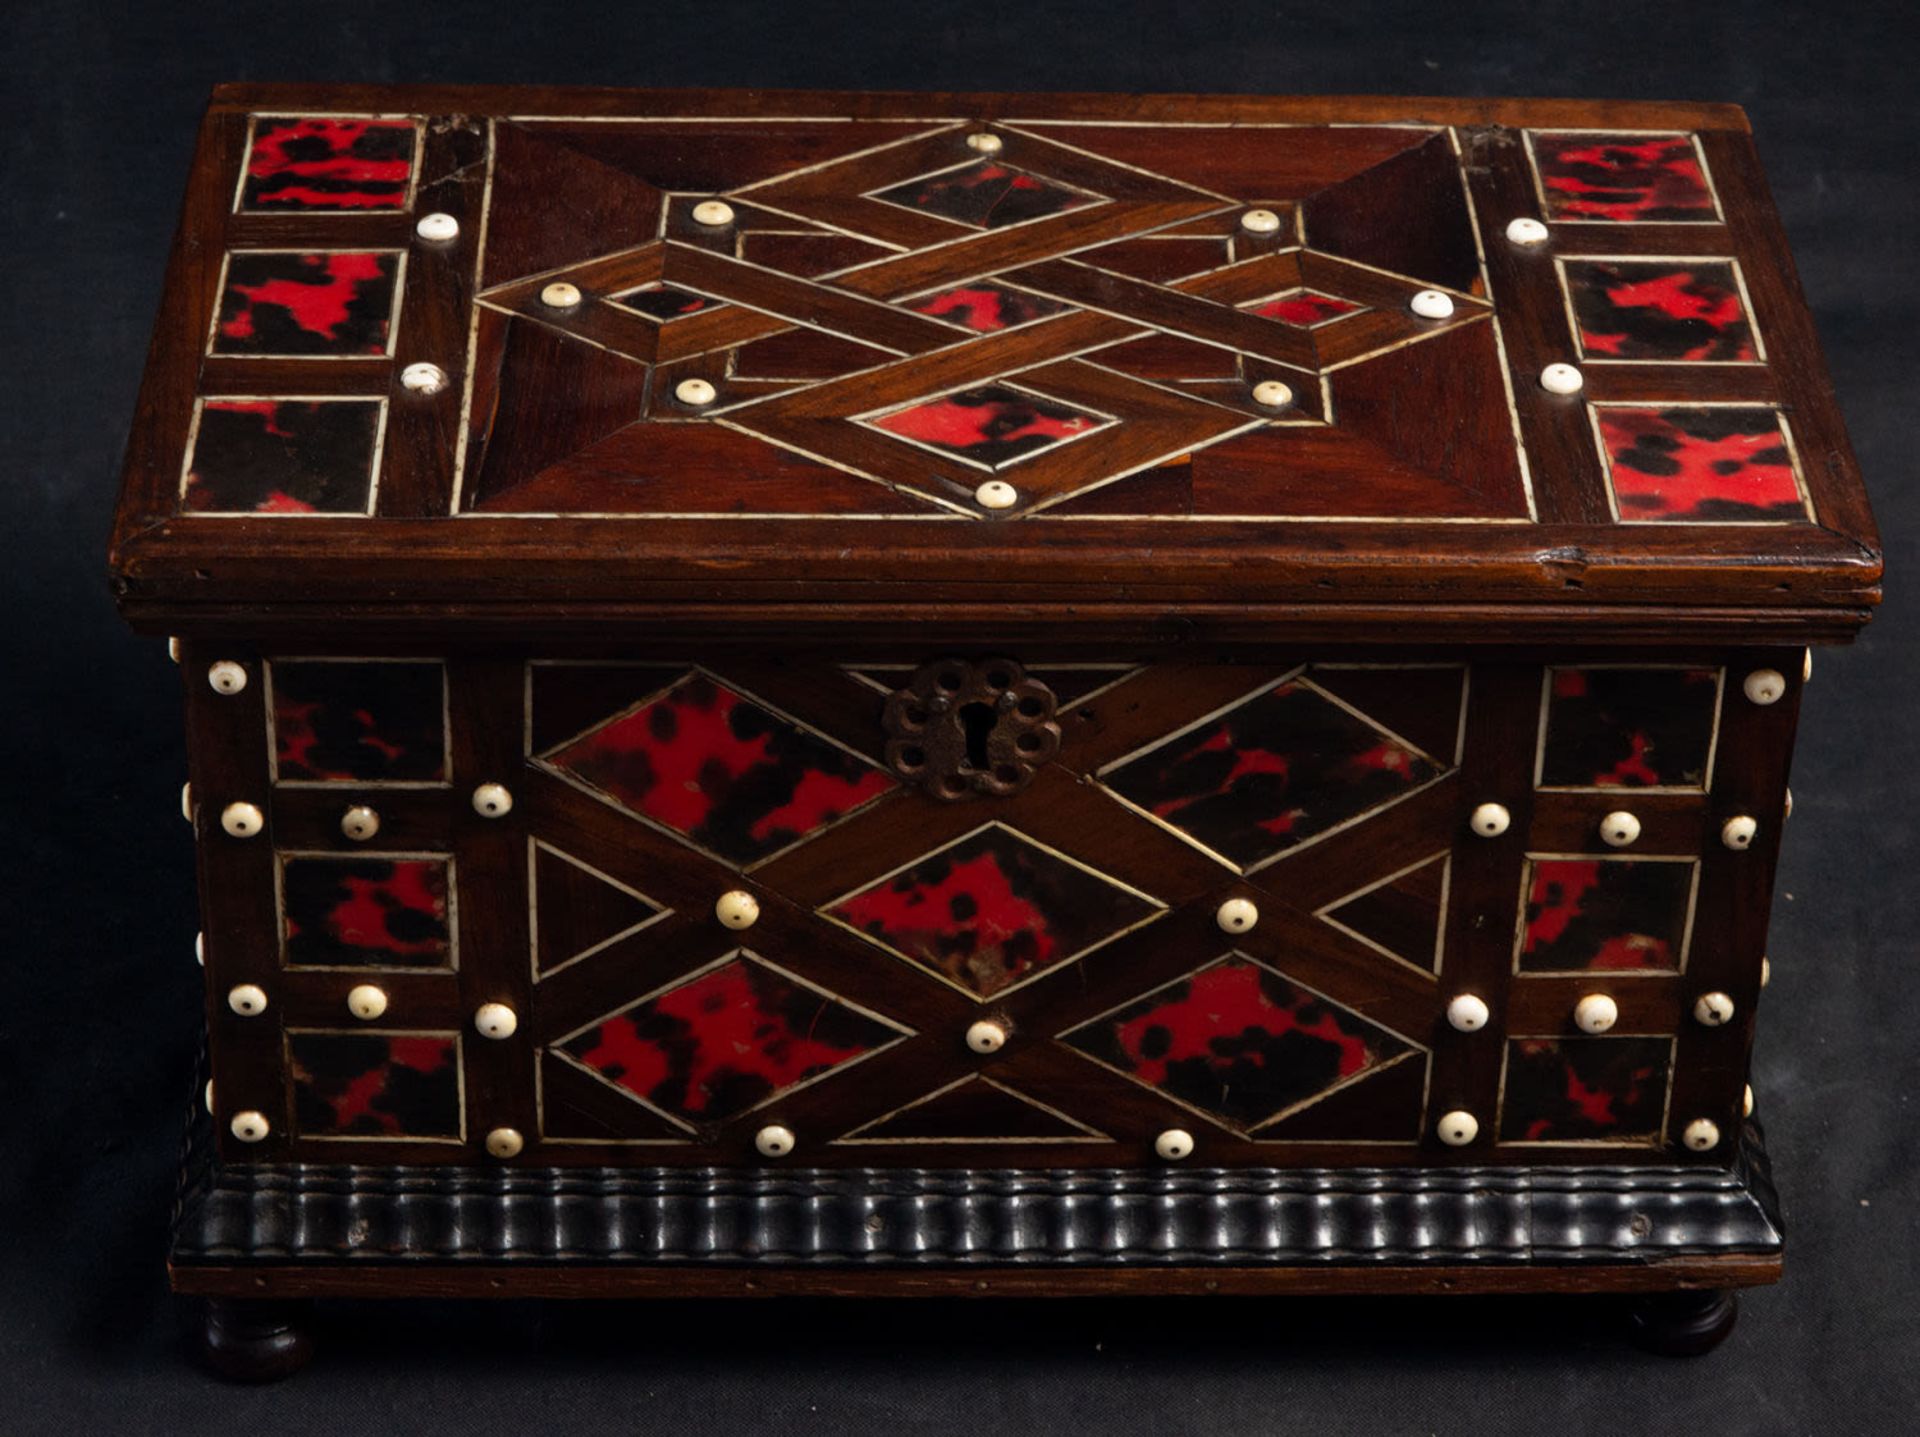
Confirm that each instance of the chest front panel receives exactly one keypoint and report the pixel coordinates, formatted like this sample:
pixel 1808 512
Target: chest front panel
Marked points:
pixel 1305 908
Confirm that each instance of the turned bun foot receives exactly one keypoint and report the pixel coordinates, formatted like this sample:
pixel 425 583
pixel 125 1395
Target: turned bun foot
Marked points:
pixel 1684 1324
pixel 249 1341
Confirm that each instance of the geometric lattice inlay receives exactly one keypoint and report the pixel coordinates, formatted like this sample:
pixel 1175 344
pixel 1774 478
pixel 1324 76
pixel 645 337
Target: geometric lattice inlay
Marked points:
pixel 726 1040
pixel 720 770
pixel 990 426
pixel 1238 1041
pixel 1270 772
pixel 986 193
pixel 991 910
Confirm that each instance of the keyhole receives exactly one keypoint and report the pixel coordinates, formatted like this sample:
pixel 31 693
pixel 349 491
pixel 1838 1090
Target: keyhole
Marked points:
pixel 978 720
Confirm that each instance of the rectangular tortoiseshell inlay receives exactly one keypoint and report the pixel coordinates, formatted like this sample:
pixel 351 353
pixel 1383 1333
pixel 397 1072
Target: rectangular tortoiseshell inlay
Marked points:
pixel 1585 1089
pixel 1601 914
pixel 1629 728
pixel 375 1085
pixel 366 912
pixel 354 722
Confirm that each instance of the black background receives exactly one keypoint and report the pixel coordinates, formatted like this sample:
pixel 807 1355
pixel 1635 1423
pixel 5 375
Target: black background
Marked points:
pixel 99 1006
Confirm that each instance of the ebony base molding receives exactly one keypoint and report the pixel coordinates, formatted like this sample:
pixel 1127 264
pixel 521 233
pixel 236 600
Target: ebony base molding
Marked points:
pixel 251 1235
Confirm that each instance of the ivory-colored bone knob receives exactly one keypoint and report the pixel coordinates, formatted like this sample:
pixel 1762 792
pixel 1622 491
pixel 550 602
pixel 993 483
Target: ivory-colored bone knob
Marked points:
pixel 367 1002
pixel 247 999
pixel 1490 820
pixel 1595 1013
pixel 495 1020
pixel 1619 829
pixel 359 823
pixel 1468 1013
pixel 1739 832
pixel 774 1141
pixel 1457 1129
pixel 737 909
pixel 1236 915
pixel 1702 1135
pixel 1173 1145
pixel 491 800
pixel 1764 686
pixel 1259 222
pixel 249 1126
pixel 1713 1010
pixel 242 820
pixel 226 677
pixel 987 1036
pixel 504 1142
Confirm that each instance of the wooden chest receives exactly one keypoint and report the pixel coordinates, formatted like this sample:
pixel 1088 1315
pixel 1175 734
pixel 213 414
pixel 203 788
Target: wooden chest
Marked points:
pixel 976 693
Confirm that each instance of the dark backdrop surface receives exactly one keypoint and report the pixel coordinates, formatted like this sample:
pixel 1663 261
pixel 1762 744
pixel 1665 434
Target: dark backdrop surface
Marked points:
pixel 99 1006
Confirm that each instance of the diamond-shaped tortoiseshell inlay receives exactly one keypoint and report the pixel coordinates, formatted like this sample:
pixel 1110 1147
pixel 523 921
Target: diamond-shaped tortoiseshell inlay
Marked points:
pixel 663 302
pixel 375 1084
pixel 992 910
pixel 1271 772
pixel 1699 464
pixel 1622 178
pixel 1304 308
pixel 347 722
pixel 1238 1041
pixel 284 302
pixel 366 912
pixel 727 1040
pixel 985 306
pixel 282 456
pixel 1660 309
pixel 328 164
pixel 986 193
pixel 990 426
pixel 1629 728
pixel 1585 1089
pixel 718 769
pixel 1605 914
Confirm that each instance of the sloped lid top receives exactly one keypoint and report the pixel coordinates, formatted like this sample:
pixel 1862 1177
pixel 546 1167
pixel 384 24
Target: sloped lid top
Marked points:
pixel 490 350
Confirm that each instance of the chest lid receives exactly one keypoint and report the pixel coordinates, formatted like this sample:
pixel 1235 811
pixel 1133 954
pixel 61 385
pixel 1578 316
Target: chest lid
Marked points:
pixel 1319 365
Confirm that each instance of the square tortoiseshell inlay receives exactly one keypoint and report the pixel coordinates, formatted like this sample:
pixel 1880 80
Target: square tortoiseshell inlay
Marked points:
pixel 1677 310
pixel 1585 1089
pixel 1629 728
pixel 367 911
pixel 1605 914
pixel 347 721
pixel 375 1085
pixel 307 303
pixel 1622 178
pixel 283 456
pixel 328 163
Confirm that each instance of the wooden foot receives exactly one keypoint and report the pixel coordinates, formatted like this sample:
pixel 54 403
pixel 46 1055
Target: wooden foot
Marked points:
pixel 1684 1324
pixel 249 1341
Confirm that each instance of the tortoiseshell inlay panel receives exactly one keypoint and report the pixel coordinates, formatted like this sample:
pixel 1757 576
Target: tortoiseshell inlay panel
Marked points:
pixel 1700 464
pixel 984 307
pixel 664 302
pixel 355 912
pixel 1688 310
pixel 987 194
pixel 991 910
pixel 283 456
pixel 322 302
pixel 726 1041
pixel 1629 728
pixel 991 426
pixel 1237 1040
pixel 720 770
pixel 375 1085
pixel 1605 914
pixel 1305 308
pixel 1585 1089
pixel 348 722
pixel 1270 773
pixel 1622 179
pixel 328 164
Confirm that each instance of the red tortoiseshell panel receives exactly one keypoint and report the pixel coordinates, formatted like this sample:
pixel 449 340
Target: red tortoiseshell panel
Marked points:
pixel 1699 464
pixel 992 910
pixel 664 302
pixel 1304 308
pixel 1272 772
pixel 284 302
pixel 344 722
pixel 992 426
pixel 366 912
pixel 375 1085
pixel 986 193
pixel 328 164
pixel 1238 1041
pixel 720 770
pixel 726 1041
pixel 983 306
pixel 1622 178
pixel 1585 1089
pixel 1660 309
pixel 1600 914
pixel 1629 728
pixel 282 456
